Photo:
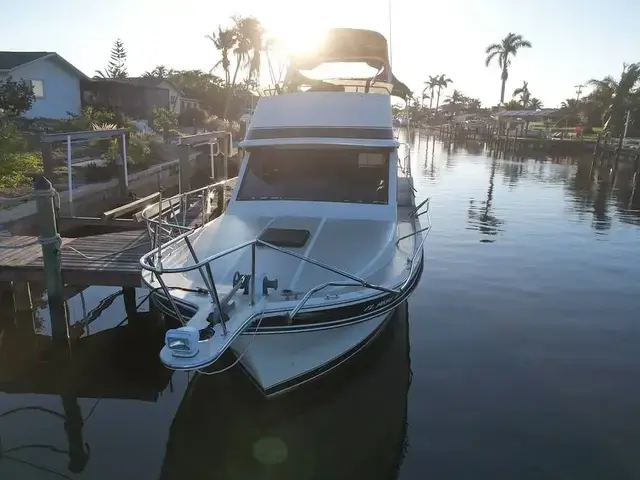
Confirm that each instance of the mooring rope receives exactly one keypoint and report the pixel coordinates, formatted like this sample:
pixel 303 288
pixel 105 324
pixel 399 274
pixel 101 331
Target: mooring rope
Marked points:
pixel 255 331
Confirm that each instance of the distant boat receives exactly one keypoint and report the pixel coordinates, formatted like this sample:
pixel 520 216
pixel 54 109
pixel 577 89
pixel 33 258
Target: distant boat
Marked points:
pixel 320 241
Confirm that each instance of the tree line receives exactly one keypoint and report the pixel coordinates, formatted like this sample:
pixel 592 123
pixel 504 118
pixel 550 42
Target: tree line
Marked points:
pixel 613 103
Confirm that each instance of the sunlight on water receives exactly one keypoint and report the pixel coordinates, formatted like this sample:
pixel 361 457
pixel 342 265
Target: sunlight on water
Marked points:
pixel 517 356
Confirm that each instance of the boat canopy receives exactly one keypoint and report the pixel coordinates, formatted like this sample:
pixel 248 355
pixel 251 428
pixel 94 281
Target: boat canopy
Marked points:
pixel 346 45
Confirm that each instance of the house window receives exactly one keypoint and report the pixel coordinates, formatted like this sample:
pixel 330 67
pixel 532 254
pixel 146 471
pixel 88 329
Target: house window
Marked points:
pixel 38 88
pixel 173 99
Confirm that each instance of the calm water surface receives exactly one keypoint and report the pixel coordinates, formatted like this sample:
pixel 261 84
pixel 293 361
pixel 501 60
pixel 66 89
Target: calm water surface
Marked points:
pixel 517 357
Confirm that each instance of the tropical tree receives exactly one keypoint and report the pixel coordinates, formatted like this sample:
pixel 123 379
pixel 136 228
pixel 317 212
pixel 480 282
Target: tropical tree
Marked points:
pixel 525 94
pixel 535 103
pixel 431 84
pixel 424 97
pixel 247 50
pixel 456 98
pixel 512 105
pixel 117 66
pixel 16 97
pixel 572 109
pixel 224 41
pixel 507 47
pixel 160 71
pixel 617 97
pixel 442 82
pixel 474 104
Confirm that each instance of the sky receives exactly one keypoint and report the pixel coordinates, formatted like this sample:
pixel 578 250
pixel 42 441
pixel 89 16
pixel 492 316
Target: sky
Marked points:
pixel 573 40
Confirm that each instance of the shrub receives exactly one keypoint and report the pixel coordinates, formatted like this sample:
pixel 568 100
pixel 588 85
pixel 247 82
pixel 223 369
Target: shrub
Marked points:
pixel 15 97
pixel 94 173
pixel 15 159
pixel 163 121
pixel 192 117
pixel 139 148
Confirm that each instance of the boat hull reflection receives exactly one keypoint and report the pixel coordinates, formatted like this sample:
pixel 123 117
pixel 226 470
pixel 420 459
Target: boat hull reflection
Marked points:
pixel 350 425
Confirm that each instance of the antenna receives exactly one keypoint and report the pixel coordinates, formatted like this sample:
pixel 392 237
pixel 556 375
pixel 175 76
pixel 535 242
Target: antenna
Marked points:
pixel 390 49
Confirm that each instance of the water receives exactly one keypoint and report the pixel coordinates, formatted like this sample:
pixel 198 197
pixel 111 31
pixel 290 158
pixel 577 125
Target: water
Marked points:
pixel 516 358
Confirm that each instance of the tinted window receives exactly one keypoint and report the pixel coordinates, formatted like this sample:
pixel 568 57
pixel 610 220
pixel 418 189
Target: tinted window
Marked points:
pixel 323 175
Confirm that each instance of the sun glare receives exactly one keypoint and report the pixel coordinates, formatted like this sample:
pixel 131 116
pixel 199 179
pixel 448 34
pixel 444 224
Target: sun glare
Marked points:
pixel 298 40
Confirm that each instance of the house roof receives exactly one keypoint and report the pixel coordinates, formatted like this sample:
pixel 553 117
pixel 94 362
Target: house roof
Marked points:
pixel 11 60
pixel 149 82
pixel 544 112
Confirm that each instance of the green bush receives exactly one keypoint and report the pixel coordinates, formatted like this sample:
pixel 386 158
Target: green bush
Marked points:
pixel 14 166
pixel 15 159
pixel 139 149
pixel 94 173
pixel 192 117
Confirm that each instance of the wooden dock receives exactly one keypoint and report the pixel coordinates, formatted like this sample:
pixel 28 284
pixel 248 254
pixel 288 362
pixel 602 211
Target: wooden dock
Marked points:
pixel 109 259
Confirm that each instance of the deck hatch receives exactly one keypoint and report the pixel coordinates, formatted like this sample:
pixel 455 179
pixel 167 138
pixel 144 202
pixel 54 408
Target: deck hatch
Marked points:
pixel 285 237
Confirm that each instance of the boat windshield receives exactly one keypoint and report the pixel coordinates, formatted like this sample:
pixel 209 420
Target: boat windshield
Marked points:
pixel 322 175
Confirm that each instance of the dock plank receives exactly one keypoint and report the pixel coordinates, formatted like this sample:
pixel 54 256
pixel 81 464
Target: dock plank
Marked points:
pixel 108 259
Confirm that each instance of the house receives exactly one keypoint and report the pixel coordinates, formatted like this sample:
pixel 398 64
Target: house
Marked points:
pixel 135 96
pixel 55 82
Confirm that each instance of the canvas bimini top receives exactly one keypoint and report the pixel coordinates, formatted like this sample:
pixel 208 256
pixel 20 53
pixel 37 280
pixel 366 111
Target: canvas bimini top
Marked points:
pixel 336 111
pixel 336 118
pixel 347 45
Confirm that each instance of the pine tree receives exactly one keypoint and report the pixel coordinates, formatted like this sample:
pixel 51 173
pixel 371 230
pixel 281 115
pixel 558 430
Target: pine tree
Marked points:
pixel 117 67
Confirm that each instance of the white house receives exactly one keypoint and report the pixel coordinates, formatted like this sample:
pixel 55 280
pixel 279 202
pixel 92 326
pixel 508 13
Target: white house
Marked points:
pixel 55 82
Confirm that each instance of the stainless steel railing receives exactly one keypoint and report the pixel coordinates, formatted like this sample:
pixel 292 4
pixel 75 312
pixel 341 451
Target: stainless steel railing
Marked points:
pixel 152 262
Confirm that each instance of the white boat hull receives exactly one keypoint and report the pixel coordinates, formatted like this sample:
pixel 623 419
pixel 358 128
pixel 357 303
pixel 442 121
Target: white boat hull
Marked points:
pixel 281 361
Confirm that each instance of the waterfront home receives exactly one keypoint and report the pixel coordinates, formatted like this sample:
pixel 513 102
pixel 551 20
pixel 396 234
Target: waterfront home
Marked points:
pixel 55 82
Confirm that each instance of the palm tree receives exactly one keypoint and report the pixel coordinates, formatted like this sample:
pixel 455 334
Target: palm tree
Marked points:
pixel 456 98
pixel 474 104
pixel 535 104
pixel 509 45
pixel 431 84
pixel 525 94
pixel 572 108
pixel 159 72
pixel 618 97
pixel 442 82
pixel 424 97
pixel 224 41
pixel 249 44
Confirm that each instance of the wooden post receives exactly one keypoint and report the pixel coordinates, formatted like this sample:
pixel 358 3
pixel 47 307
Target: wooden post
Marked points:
pixel 47 159
pixel 123 181
pixel 226 151
pixel 51 244
pixel 618 151
pixel 185 170
pixel 73 422
pixel 22 297
pixel 129 296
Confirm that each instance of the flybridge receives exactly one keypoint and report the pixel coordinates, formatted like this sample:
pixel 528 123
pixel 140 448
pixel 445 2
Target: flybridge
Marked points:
pixel 340 46
pixel 322 118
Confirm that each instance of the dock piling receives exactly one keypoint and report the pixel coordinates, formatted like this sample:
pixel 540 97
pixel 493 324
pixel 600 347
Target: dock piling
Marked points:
pixel 129 296
pixel 22 297
pixel 51 243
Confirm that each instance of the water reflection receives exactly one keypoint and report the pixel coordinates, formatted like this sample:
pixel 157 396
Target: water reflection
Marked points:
pixel 480 213
pixel 353 427
pixel 49 394
pixel 594 191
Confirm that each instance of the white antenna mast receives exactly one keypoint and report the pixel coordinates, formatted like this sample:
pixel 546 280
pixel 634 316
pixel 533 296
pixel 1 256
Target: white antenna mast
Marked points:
pixel 390 49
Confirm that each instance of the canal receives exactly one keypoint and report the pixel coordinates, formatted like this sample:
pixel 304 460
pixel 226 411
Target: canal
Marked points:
pixel 517 356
